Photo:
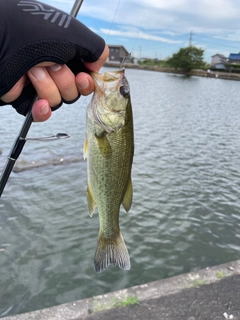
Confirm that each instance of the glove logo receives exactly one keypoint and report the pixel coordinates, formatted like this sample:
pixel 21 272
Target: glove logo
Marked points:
pixel 51 14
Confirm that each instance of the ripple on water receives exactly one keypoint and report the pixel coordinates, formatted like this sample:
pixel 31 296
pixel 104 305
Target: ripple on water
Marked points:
pixel 185 212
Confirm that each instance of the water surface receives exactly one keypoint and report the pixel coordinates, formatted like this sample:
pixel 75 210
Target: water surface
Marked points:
pixel 185 212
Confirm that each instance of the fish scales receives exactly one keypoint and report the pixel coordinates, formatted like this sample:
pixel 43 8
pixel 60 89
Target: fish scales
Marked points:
pixel 109 151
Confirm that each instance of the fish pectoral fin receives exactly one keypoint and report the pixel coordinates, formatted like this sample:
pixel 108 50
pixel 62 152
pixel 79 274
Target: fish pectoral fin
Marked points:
pixel 104 145
pixel 85 148
pixel 91 202
pixel 127 200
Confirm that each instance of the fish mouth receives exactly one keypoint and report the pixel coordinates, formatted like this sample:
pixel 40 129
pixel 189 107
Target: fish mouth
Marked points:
pixel 107 77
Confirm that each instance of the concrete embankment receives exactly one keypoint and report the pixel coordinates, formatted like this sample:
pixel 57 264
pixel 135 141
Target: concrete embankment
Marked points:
pixel 211 293
pixel 198 73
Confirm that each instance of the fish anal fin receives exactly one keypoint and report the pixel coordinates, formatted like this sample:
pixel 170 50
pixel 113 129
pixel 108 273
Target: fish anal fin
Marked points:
pixel 127 200
pixel 111 251
pixel 85 148
pixel 91 202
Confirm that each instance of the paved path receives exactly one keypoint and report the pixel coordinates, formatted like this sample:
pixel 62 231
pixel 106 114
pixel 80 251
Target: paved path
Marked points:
pixel 209 301
pixel 212 293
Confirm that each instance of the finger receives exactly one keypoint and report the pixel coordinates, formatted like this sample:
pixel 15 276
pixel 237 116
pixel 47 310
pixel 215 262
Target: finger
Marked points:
pixel 84 83
pixel 65 81
pixel 16 91
pixel 97 65
pixel 44 85
pixel 41 110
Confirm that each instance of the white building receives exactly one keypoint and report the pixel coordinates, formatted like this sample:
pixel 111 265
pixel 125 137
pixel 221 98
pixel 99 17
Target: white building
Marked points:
pixel 218 61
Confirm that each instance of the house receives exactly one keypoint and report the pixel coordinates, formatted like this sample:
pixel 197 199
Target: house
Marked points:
pixel 218 61
pixel 234 58
pixel 117 53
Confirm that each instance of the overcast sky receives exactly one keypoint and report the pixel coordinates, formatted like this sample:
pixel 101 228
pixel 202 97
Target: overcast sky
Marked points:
pixel 159 28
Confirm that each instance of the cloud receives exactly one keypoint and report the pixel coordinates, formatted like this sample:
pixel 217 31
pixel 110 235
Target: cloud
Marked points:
pixel 168 23
pixel 137 34
pixel 65 5
pixel 173 15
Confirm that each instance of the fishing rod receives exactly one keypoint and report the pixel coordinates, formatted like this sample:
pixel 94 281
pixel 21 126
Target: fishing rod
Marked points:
pixel 21 138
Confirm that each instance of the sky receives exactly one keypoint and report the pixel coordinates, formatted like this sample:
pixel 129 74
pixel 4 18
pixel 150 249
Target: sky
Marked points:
pixel 159 28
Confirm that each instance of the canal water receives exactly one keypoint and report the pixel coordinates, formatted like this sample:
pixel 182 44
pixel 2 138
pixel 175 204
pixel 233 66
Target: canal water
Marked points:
pixel 186 209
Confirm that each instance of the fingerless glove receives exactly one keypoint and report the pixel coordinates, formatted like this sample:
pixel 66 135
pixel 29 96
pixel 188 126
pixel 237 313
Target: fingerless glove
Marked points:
pixel 32 32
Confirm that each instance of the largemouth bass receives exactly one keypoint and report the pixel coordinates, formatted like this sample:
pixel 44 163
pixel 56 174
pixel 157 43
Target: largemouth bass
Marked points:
pixel 109 151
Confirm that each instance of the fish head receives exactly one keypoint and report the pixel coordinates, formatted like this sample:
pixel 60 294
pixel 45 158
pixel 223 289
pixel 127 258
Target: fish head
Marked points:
pixel 110 99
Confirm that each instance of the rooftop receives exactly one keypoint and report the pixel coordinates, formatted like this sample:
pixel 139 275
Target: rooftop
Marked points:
pixel 234 56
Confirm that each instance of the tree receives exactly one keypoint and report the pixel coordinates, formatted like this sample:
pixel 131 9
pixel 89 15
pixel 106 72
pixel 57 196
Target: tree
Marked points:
pixel 187 59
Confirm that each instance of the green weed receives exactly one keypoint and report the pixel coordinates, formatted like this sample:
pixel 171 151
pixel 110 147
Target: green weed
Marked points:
pixel 198 282
pixel 220 274
pixel 115 302
pixel 127 301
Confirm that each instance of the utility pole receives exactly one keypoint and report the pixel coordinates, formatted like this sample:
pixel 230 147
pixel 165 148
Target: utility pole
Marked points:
pixel 190 39
pixel 140 52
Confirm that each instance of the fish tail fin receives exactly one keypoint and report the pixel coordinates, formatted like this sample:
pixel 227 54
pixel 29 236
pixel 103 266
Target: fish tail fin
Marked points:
pixel 111 251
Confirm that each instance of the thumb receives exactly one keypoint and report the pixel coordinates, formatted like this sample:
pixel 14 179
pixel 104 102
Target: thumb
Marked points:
pixel 97 65
pixel 41 110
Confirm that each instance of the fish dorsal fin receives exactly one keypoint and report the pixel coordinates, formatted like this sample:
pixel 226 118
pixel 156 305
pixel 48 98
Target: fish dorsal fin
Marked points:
pixel 127 200
pixel 85 148
pixel 91 202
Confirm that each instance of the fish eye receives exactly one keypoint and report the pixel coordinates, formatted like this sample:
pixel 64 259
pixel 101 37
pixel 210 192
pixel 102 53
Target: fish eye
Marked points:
pixel 124 91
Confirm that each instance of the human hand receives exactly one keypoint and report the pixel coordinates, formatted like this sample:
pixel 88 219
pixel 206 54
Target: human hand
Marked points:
pixel 53 83
pixel 51 57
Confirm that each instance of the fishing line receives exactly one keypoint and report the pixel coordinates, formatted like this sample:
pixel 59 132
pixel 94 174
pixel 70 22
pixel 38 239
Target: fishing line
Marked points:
pixel 84 99
pixel 143 17
pixel 119 1
pixel 82 103
pixel 139 31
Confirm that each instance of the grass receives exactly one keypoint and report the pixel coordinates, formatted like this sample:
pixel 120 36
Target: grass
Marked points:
pixel 127 301
pixel 198 282
pixel 220 274
pixel 100 307
pixel 115 302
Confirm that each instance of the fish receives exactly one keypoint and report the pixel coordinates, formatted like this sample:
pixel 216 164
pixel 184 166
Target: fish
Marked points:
pixel 109 149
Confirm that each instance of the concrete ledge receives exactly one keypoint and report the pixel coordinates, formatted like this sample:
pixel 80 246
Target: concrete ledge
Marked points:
pixel 145 293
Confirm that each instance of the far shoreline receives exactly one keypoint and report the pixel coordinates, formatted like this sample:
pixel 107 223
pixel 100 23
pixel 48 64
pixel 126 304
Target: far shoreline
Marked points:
pixel 198 73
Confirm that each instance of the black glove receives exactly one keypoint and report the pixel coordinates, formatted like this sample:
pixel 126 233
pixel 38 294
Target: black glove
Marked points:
pixel 32 32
